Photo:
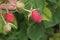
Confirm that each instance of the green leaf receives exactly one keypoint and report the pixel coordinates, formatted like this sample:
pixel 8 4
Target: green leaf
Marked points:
pixel 23 35
pixel 56 36
pixel 48 19
pixel 51 38
pixel 17 35
pixel 58 2
pixel 49 24
pixel 36 32
pixel 57 15
pixel 52 22
pixel 1 25
pixel 15 24
pixel 54 1
pixel 47 15
pixel 49 31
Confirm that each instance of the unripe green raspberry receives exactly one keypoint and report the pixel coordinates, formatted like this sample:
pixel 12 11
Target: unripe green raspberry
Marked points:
pixel 20 5
pixel 7 27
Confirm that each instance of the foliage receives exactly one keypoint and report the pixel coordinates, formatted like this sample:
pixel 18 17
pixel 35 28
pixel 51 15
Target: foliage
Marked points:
pixel 27 29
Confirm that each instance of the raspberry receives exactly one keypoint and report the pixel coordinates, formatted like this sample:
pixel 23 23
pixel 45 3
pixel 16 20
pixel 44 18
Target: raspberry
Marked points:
pixel 3 6
pixel 9 17
pixel 20 4
pixel 9 6
pixel 36 16
pixel 7 27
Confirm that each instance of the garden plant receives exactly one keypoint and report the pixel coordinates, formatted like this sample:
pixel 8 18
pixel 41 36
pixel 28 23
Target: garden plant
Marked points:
pixel 29 19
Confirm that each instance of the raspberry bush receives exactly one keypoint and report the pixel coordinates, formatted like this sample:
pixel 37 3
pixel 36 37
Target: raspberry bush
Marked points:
pixel 29 19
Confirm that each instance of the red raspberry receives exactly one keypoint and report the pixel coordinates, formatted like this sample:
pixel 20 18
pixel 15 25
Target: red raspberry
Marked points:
pixel 9 17
pixel 35 15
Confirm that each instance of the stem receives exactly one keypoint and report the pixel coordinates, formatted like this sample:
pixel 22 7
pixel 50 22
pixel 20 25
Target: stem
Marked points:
pixel 26 10
pixel 17 10
pixel 23 9
pixel 31 8
pixel 7 9
pixel 3 19
pixel 13 25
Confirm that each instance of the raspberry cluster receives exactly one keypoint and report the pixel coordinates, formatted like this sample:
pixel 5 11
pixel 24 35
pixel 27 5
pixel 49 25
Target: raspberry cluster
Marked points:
pixel 12 5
